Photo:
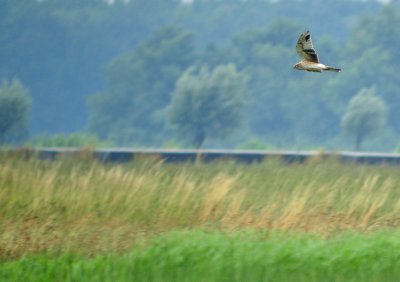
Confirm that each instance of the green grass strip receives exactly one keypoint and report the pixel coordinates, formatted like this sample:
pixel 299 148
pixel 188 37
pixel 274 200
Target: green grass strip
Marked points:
pixel 214 256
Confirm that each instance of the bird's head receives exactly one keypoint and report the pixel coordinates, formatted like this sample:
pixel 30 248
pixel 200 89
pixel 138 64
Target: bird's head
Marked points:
pixel 296 66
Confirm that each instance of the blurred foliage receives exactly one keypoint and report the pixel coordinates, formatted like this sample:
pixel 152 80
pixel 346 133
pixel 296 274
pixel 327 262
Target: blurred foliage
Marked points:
pixel 255 144
pixel 365 116
pixel 139 85
pixel 215 256
pixel 143 51
pixel 15 104
pixel 171 144
pixel 208 103
pixel 71 140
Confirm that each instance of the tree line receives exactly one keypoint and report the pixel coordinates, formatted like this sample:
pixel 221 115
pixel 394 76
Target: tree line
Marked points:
pixel 168 84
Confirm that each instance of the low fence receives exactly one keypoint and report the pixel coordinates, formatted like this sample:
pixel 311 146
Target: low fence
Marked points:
pixel 121 155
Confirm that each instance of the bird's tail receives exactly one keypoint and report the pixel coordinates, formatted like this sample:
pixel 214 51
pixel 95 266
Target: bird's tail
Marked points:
pixel 328 68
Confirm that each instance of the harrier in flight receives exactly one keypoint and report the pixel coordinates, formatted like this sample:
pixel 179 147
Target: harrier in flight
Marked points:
pixel 309 58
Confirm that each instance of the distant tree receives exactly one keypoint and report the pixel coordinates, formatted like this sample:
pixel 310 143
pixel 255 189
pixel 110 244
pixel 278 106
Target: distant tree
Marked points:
pixel 366 115
pixel 14 108
pixel 268 62
pixel 131 110
pixel 208 103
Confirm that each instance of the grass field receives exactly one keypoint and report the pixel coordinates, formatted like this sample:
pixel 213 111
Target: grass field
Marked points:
pixel 216 256
pixel 223 221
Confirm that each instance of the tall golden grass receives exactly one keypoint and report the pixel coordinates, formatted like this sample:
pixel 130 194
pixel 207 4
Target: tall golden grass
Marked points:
pixel 90 208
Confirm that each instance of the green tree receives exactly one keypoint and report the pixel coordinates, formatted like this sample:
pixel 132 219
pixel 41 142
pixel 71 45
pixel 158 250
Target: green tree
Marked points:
pixel 139 85
pixel 208 103
pixel 267 59
pixel 366 115
pixel 14 108
pixel 375 38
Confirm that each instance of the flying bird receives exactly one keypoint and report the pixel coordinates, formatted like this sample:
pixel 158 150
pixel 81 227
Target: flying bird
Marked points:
pixel 309 58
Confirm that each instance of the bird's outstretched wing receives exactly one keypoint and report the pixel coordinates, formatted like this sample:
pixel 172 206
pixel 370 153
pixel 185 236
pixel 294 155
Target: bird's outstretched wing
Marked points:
pixel 305 49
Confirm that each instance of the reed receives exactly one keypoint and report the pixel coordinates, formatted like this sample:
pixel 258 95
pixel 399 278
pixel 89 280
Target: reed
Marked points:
pixel 89 208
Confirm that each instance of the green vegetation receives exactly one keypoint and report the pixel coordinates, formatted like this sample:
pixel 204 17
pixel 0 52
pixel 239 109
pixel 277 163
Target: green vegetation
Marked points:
pixel 77 219
pixel 139 86
pixel 239 256
pixel 255 144
pixel 71 140
pixel 208 103
pixel 365 116
pixel 67 218
pixel 281 104
pixel 15 104
pixel 126 59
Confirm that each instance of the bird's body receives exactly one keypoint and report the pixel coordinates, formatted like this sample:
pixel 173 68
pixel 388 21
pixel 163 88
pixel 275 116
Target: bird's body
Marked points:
pixel 309 58
pixel 314 67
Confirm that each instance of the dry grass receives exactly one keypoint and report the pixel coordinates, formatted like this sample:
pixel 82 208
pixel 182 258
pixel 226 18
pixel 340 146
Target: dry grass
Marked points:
pixel 91 208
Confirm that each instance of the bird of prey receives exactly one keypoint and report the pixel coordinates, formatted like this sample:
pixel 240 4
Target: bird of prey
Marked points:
pixel 309 58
